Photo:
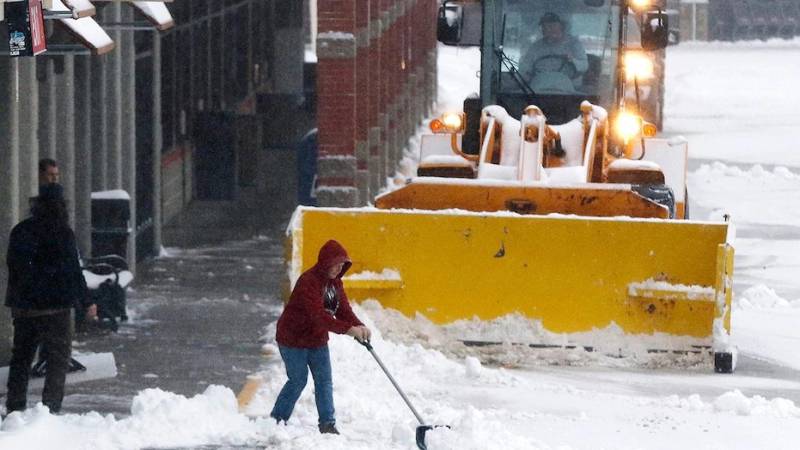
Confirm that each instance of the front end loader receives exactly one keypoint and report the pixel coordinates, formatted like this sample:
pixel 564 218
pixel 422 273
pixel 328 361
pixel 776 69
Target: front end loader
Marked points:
pixel 576 222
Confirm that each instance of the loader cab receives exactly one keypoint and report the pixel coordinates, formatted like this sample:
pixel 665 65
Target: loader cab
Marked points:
pixel 606 41
pixel 531 67
pixel 516 70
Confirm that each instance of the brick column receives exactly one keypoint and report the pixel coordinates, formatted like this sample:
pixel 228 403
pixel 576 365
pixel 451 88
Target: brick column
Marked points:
pixel 411 77
pixel 420 52
pixel 362 100
pixel 374 142
pixel 415 74
pixel 336 90
pixel 432 57
pixel 376 81
pixel 385 88
pixel 400 83
pixel 391 74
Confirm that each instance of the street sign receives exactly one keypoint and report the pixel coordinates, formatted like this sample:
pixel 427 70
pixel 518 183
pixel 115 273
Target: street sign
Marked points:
pixel 26 35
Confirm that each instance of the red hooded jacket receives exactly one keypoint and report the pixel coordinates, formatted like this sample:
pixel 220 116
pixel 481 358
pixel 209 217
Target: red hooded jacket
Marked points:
pixel 305 322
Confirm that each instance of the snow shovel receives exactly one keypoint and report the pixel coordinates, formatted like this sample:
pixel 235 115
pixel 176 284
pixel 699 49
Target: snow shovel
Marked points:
pixel 422 428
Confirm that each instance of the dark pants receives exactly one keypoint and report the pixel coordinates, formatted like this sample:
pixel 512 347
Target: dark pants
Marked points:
pixel 53 331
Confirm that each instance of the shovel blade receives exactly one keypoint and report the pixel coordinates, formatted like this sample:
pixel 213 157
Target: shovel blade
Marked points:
pixel 421 430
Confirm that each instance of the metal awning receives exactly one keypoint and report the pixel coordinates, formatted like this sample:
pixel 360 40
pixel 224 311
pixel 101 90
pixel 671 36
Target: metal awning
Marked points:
pixel 80 8
pixel 85 29
pixel 75 15
pixel 156 13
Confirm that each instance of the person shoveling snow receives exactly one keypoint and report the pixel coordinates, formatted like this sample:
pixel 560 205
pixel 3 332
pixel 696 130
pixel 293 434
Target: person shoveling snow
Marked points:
pixel 318 305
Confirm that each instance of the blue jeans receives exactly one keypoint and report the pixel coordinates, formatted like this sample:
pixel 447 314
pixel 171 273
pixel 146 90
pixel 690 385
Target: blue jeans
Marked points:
pixel 297 362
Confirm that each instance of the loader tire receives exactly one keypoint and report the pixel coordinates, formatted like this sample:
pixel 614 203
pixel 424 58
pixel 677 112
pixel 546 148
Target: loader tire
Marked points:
pixel 658 193
pixel 723 362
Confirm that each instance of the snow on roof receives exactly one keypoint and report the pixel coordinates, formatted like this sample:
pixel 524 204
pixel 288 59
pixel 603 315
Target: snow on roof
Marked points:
pixel 157 13
pixel 93 280
pixel 445 160
pixel 336 35
pixel 116 194
pixel 310 56
pixel 82 8
pixel 692 292
pixel 86 30
pixel 630 164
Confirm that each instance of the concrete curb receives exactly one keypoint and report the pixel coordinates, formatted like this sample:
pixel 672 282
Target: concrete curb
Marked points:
pixel 251 386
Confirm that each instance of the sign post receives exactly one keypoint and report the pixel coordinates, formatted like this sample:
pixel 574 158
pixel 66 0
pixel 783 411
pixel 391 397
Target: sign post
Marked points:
pixel 26 35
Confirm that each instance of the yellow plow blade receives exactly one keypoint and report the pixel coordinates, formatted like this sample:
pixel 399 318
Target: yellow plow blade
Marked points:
pixel 574 274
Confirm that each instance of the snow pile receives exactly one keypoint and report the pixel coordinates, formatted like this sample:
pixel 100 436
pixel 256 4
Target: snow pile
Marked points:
pixel 757 405
pixel 714 184
pixel 736 402
pixel 158 419
pixel 517 341
pixel 756 173
pixel 210 417
pixel 761 296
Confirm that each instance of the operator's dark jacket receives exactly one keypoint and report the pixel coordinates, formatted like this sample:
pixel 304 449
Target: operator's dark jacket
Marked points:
pixel 305 322
pixel 44 272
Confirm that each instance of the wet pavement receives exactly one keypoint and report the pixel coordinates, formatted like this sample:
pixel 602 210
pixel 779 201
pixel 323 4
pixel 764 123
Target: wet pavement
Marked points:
pixel 196 314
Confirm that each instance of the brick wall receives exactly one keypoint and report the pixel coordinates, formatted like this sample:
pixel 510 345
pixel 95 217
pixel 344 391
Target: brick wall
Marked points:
pixel 376 79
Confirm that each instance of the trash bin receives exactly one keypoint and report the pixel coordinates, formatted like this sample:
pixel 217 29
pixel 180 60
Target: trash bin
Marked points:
pixel 111 214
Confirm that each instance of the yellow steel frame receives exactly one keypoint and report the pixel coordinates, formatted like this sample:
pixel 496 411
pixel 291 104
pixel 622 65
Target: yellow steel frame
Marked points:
pixel 571 273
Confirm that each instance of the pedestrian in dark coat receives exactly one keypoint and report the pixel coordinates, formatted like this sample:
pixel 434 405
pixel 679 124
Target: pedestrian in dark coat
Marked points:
pixel 318 305
pixel 44 282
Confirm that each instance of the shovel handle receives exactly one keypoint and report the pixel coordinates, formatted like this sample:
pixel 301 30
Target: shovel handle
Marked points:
pixel 391 378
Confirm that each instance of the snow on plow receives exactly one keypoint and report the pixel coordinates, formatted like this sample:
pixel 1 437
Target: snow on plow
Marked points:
pixel 664 284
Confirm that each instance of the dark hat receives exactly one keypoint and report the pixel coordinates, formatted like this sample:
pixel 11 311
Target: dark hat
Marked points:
pixel 51 191
pixel 550 17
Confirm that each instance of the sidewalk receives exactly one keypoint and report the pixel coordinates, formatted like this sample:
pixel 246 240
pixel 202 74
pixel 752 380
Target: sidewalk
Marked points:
pixel 197 313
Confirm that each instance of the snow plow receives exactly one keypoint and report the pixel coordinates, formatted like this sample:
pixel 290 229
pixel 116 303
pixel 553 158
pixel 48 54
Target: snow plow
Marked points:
pixel 574 221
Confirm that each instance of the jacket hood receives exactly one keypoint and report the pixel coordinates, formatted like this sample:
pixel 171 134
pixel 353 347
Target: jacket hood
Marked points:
pixel 331 254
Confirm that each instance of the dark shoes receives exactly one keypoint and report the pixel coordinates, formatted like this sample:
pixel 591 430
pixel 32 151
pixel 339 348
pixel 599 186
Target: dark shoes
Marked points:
pixel 324 428
pixel 54 409
pixel 278 420
pixel 328 428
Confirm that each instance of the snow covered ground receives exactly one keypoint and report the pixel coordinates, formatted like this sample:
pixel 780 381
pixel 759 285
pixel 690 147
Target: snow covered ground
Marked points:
pixel 735 104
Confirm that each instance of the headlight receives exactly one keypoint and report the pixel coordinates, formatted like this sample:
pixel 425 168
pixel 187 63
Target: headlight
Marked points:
pixel 448 123
pixel 628 125
pixel 638 65
pixel 453 122
pixel 640 5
